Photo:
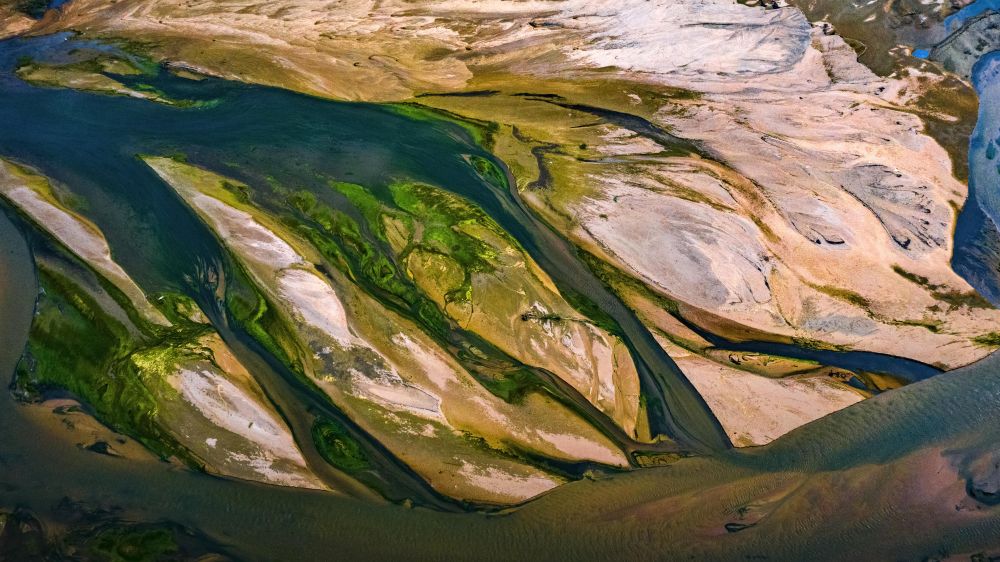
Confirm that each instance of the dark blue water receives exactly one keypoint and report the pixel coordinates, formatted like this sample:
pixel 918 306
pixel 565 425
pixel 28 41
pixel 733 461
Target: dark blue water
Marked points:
pixel 956 20
pixel 977 242
pixel 906 369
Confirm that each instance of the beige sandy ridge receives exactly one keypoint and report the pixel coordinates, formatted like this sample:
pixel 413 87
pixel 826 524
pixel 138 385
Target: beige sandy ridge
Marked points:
pixel 756 410
pixel 222 415
pixel 518 308
pixel 405 391
pixel 13 22
pixel 32 195
pixel 65 77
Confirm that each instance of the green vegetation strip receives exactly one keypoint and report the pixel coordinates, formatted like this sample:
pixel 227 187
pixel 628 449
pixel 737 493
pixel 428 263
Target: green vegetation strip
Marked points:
pixel 338 448
pixel 74 344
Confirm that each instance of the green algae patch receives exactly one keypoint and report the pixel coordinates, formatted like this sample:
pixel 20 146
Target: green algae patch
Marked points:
pixel 368 205
pixel 480 131
pixel 180 309
pixel 512 386
pixel 454 228
pixel 336 445
pixel 618 282
pixel 432 236
pixel 992 339
pixel 582 304
pixel 71 336
pixel 253 314
pixel 125 544
pixel 151 366
pixel 140 384
pixel 489 171
pixel 933 326
pixel 845 295
pixel 958 299
pixel 819 345
pixel 103 74
pixel 365 259
pixel 451 229
pixel 74 344
pixel 913 277
pixel 951 297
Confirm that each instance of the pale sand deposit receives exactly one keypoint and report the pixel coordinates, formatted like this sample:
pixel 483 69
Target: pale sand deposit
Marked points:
pixel 755 410
pixel 12 22
pixel 79 235
pixel 267 447
pixel 419 409
pixel 496 481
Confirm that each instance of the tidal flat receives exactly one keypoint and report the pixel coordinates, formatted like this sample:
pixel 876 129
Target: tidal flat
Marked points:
pixel 503 310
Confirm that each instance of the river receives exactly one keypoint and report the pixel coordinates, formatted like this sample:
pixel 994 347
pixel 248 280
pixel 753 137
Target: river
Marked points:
pixel 88 143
